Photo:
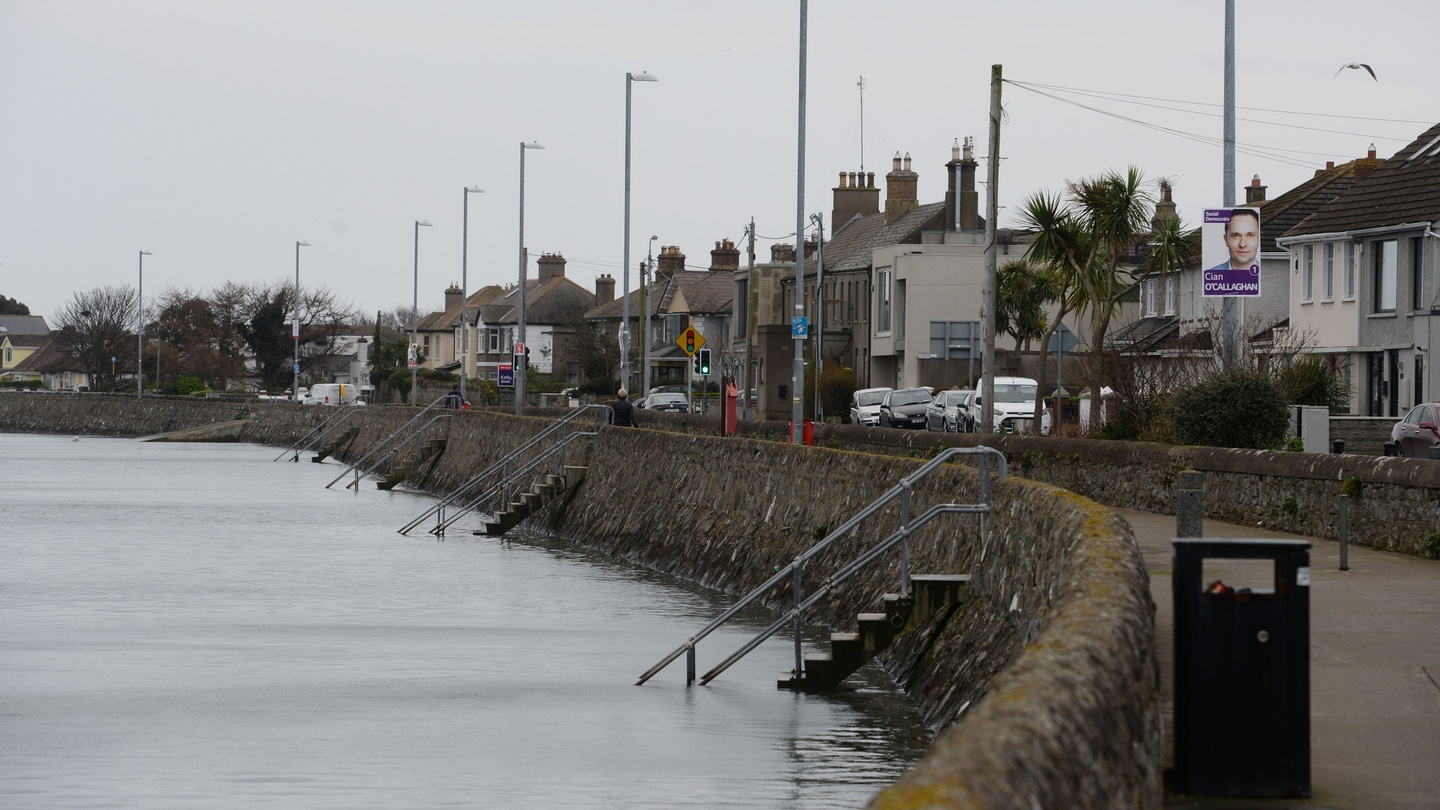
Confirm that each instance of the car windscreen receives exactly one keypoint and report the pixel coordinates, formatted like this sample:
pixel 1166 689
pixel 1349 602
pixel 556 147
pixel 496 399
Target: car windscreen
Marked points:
pixel 953 398
pixel 1014 393
pixel 916 397
pixel 864 398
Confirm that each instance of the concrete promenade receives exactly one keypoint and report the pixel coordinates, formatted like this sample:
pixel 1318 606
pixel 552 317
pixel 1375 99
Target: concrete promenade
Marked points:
pixel 1374 671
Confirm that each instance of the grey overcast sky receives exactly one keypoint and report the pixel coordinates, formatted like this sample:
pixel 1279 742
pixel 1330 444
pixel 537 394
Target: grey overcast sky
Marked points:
pixel 216 133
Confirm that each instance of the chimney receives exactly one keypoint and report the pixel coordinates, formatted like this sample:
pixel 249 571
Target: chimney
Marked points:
pixel 1367 164
pixel 811 243
pixel 902 189
pixel 725 256
pixel 1371 154
pixel 1164 208
pixel 453 296
pixel 552 265
pixel 782 253
pixel 961 171
pixel 856 194
pixel 604 289
pixel 1255 193
pixel 669 262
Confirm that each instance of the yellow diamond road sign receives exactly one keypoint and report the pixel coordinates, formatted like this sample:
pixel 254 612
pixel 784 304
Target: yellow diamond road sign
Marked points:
pixel 690 341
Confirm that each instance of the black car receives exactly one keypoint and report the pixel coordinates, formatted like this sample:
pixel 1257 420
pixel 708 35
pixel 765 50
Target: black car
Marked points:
pixel 665 401
pixel 904 408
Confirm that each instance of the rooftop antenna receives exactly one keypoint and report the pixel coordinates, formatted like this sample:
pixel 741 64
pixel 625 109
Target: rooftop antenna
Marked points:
pixel 861 85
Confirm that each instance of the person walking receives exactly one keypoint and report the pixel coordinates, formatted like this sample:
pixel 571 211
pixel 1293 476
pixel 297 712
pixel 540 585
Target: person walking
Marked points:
pixel 623 410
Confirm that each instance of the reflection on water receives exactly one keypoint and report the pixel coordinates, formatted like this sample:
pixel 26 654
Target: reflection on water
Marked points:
pixel 194 625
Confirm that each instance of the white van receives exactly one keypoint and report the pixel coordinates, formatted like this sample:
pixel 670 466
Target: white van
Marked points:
pixel 1014 406
pixel 333 394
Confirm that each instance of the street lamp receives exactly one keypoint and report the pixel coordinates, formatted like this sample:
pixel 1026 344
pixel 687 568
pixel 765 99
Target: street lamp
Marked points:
pixel 650 290
pixel 295 327
pixel 465 292
pixel 520 332
pixel 140 329
pixel 414 358
pixel 625 293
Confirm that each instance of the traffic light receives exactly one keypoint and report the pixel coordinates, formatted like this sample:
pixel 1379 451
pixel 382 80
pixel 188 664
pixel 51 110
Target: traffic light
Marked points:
pixel 703 361
pixel 695 362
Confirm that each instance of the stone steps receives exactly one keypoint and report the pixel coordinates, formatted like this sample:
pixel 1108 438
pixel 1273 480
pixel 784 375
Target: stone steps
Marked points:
pixel 929 594
pixel 531 501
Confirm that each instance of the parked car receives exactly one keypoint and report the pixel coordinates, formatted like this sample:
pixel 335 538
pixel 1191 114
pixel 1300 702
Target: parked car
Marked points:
pixel 665 401
pixel 944 414
pixel 1418 431
pixel 865 405
pixel 1014 401
pixel 904 408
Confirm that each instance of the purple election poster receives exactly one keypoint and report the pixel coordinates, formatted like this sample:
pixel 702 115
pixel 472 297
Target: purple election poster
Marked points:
pixel 1230 252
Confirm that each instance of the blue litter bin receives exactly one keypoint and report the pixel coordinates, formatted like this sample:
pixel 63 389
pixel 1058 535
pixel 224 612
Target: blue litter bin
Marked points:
pixel 1242 672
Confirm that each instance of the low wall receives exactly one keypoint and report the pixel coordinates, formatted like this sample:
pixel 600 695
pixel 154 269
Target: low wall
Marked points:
pixel 1397 509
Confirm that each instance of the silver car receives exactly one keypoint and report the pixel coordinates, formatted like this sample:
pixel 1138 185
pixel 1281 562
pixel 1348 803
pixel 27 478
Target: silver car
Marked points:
pixel 865 406
pixel 945 412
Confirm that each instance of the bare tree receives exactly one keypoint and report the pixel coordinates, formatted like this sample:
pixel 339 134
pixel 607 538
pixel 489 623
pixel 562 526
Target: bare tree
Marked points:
pixel 97 326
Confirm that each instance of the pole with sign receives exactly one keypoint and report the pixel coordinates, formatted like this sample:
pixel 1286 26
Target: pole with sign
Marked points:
pixel 1061 342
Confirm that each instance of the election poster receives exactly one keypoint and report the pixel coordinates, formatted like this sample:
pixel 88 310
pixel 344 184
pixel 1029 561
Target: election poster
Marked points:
pixel 1230 252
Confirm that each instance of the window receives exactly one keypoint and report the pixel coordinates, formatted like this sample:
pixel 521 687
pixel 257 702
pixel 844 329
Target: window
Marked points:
pixel 1348 289
pixel 882 323
pixel 1170 284
pixel 1327 276
pixel 8 354
pixel 1307 274
pixel 1149 307
pixel 1417 279
pixel 1384 281
pixel 494 341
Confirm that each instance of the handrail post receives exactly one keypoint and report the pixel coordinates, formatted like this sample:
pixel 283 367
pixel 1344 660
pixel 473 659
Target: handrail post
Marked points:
pixel 690 664
pixel 905 541
pixel 799 659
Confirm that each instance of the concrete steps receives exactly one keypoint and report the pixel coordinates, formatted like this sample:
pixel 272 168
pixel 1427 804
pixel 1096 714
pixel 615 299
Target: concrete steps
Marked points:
pixel 527 503
pixel 334 445
pixel 416 465
pixel 929 594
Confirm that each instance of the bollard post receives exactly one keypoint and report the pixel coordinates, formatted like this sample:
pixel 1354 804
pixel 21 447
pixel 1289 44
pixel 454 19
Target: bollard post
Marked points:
pixel 690 664
pixel 1338 447
pixel 1190 504
pixel 1344 532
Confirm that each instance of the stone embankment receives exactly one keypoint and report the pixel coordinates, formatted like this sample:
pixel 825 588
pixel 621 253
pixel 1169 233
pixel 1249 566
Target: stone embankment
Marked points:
pixel 1045 686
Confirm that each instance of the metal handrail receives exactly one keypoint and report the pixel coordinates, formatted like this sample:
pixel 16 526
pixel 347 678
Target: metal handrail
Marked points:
pixel 377 448
pixel 794 569
pixel 499 466
pixel 390 455
pixel 342 414
pixel 507 480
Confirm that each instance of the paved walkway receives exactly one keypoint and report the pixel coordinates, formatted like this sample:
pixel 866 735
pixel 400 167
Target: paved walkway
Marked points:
pixel 1374 671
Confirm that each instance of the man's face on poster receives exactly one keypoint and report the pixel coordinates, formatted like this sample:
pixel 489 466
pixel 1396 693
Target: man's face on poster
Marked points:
pixel 1242 237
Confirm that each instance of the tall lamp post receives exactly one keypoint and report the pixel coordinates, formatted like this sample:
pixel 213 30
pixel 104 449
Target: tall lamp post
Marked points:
pixel 649 291
pixel 140 329
pixel 625 261
pixel 465 292
pixel 414 353
pixel 520 332
pixel 295 327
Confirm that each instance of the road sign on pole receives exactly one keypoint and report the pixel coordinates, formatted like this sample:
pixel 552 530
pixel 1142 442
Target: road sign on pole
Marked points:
pixel 506 377
pixel 690 341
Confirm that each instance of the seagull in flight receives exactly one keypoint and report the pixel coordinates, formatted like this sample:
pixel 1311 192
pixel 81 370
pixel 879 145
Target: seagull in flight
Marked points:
pixel 1357 66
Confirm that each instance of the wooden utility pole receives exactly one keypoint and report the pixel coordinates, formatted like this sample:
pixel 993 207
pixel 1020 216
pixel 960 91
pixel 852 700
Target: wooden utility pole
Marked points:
pixel 987 304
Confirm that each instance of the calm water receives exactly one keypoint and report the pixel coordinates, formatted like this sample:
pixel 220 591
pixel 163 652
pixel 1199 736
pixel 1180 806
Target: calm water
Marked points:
pixel 194 625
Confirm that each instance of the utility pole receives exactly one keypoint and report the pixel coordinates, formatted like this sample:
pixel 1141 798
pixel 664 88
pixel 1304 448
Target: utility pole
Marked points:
pixel 749 319
pixel 819 220
pixel 1229 318
pixel 987 305
pixel 797 381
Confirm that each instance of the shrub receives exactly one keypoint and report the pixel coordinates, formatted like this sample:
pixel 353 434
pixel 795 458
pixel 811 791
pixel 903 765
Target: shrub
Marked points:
pixel 1236 408
pixel 1310 380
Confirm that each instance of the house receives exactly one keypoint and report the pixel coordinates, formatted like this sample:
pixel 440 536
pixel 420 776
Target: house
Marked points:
pixel 20 337
pixel 668 301
pixel 553 304
pixel 340 358
pixel 55 368
pixel 1363 271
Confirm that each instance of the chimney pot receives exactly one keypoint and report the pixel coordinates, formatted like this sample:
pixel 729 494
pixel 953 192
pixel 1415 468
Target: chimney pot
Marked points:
pixel 1329 164
pixel 1371 153
pixel 955 150
pixel 1255 181
pixel 869 179
pixel 895 167
pixel 907 161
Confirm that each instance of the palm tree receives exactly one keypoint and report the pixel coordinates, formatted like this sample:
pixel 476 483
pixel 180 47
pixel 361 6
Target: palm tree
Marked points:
pixel 1095 239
